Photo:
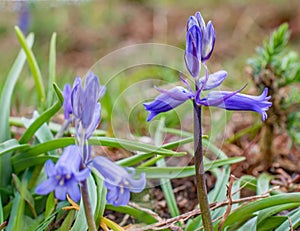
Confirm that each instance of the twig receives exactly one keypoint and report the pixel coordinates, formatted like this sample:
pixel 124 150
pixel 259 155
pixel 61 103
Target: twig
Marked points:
pixel 169 222
pixel 150 212
pixel 3 225
pixel 228 209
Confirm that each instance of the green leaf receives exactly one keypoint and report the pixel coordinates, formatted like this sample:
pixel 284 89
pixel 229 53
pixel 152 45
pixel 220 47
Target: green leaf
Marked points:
pixel 52 67
pixel 5 102
pixel 43 118
pixel 12 145
pixel 50 205
pixel 272 222
pixel 294 219
pixel 67 223
pixel 7 91
pixel 24 193
pixel 1 211
pixel 265 214
pixel 165 184
pixel 239 216
pixel 132 146
pixel 16 215
pixel 185 171
pixel 136 213
pixel 101 197
pixel 263 182
pixel 36 73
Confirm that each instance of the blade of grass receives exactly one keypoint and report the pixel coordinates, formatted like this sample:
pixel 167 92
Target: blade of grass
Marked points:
pixel 52 67
pixel 10 146
pixel 294 219
pixel 185 171
pixel 5 102
pixel 35 70
pixel 138 214
pixel 101 195
pixel 43 118
pixel 244 213
pixel 165 184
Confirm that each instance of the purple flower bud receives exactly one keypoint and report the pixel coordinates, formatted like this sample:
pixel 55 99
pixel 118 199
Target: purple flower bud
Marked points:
pixel 192 56
pixel 68 110
pixel 168 100
pixel 64 176
pixel 24 17
pixel 214 80
pixel 200 42
pixel 208 41
pixel 85 106
pixel 118 181
pixel 238 102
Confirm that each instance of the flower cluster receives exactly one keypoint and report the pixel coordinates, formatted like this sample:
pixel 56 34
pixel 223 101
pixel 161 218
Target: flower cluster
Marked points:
pixel 64 176
pixel 81 106
pixel 200 41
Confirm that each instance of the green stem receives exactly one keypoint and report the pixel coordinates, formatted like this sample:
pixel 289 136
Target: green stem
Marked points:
pixel 199 168
pixel 87 207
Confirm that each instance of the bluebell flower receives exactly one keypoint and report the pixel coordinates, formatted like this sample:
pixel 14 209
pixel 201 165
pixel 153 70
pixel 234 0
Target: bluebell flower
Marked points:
pixel 65 176
pixel 118 181
pixel 82 103
pixel 200 42
pixel 238 102
pixel 168 100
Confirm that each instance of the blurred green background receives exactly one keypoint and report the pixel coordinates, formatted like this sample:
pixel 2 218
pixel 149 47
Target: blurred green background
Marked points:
pixel 89 30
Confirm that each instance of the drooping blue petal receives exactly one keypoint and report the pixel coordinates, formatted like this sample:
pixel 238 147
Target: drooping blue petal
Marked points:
pixel 61 192
pixel 123 198
pixel 214 80
pixel 70 159
pixel 50 168
pixel 46 186
pixel 118 181
pixel 112 172
pixel 238 102
pixel 192 56
pixel 65 176
pixel 138 185
pixel 168 100
pixel 73 190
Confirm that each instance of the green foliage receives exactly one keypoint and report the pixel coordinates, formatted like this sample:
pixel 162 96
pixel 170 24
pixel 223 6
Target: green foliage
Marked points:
pixel 277 67
pixel 25 155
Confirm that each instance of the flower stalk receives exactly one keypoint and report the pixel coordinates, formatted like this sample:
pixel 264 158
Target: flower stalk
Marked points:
pixel 199 168
pixel 87 207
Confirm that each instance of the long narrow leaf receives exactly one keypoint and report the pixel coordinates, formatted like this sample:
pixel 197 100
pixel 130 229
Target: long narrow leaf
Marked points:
pixel 101 198
pixel 10 146
pixel 244 213
pixel 138 214
pixel 43 118
pixel 165 184
pixel 5 102
pixel 35 70
pixel 185 171
pixel 52 67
